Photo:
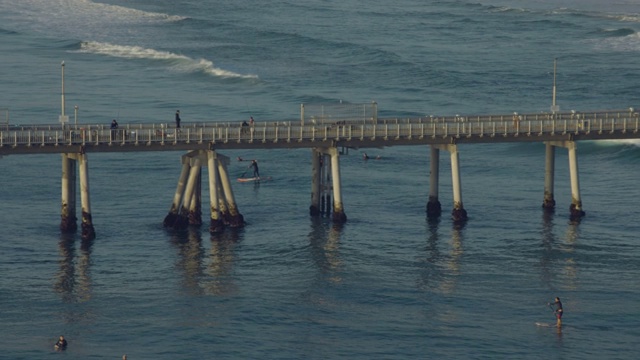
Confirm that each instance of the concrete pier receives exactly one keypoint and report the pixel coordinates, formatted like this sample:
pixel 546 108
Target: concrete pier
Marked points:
pixel 216 224
pixel 234 219
pixel 88 232
pixel 173 218
pixel 316 182
pixel 190 189
pixel 575 209
pixel 549 204
pixel 434 208
pixel 459 214
pixel 325 179
pixel 338 211
pixel 68 211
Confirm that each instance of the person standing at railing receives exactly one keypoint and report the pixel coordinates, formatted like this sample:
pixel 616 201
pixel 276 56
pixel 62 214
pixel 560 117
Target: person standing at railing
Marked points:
pixel 178 119
pixel 114 129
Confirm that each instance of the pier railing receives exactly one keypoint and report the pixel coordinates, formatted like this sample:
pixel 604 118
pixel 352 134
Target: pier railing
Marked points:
pixel 486 128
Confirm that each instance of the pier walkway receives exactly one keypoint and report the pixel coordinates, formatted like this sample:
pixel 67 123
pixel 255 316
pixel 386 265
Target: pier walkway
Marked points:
pixel 204 141
pixel 597 125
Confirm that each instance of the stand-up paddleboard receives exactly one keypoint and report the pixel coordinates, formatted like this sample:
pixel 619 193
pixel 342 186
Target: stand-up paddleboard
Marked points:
pixel 543 324
pixel 254 179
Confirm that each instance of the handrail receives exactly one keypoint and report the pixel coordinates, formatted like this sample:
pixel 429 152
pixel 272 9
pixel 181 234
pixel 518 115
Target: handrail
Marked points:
pixel 458 127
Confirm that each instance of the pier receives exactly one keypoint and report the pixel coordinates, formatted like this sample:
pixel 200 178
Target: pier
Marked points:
pixel 327 137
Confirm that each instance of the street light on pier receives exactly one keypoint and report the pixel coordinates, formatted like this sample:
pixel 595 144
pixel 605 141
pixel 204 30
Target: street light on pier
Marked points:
pixel 63 117
pixel 75 116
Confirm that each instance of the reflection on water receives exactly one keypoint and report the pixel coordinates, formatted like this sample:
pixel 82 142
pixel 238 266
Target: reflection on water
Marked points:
pixel 439 269
pixel 73 281
pixel 324 239
pixel 220 280
pixel 562 253
pixel 190 253
pixel 214 278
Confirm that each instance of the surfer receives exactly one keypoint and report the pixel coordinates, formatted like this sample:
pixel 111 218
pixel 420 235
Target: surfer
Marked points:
pixel 557 304
pixel 254 165
pixel 61 344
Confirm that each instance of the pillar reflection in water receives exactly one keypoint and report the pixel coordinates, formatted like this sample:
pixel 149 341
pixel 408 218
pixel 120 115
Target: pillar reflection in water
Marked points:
pixel 73 281
pixel 558 266
pixel 189 262
pixel 324 239
pixel 221 259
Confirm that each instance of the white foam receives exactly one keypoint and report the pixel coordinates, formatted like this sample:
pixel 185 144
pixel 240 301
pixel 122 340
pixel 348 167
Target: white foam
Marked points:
pixel 177 62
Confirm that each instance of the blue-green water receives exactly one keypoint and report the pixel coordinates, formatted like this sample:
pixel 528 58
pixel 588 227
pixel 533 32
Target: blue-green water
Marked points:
pixel 386 285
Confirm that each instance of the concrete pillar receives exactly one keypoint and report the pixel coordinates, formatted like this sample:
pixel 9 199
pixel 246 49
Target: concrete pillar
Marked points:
pixel 434 209
pixel 195 208
pixel 316 180
pixel 576 203
pixel 68 211
pixel 88 232
pixel 338 210
pixel 236 219
pixel 216 225
pixel 189 191
pixel 459 214
pixel 173 218
pixel 325 185
pixel 549 204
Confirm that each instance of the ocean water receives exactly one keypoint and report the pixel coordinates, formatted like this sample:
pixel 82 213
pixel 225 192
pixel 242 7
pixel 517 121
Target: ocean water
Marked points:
pixel 388 284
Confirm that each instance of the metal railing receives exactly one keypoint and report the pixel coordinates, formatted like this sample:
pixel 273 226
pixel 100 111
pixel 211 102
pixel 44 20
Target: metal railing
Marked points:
pixel 481 128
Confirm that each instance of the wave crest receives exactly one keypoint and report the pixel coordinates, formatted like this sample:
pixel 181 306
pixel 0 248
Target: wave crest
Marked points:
pixel 178 62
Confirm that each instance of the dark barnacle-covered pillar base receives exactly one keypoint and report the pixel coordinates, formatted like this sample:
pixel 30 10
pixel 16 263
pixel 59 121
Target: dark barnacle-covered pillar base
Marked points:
pixel 88 232
pixel 575 212
pixel 434 209
pixel 459 215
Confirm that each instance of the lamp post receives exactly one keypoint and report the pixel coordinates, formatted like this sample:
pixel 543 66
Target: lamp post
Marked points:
pixel 63 118
pixel 75 116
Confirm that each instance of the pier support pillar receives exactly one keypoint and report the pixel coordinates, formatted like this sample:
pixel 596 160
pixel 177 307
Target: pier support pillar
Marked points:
pixel 549 204
pixel 316 182
pixel 195 208
pixel 68 211
pixel 216 225
pixel 173 218
pixel 235 219
pixel 575 209
pixel 88 232
pixel 190 190
pixel 434 208
pixel 459 214
pixel 338 210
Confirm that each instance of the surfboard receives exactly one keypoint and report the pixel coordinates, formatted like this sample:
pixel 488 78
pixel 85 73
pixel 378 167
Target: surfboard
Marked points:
pixel 252 179
pixel 542 324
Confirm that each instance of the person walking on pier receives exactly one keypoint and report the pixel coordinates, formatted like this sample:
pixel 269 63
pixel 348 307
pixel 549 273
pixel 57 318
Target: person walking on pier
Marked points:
pixel 254 165
pixel 558 311
pixel 178 119
pixel 114 129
